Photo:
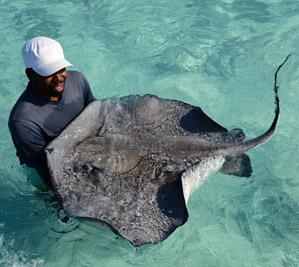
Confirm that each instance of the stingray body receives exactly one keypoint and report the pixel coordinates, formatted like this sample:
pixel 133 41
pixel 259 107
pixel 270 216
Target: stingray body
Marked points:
pixel 133 162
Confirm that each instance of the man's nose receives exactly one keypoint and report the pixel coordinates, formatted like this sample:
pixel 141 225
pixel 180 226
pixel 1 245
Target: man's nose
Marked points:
pixel 58 77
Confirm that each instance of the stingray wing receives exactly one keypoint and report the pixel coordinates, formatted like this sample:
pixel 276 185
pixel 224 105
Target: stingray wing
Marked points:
pixel 138 192
pixel 144 204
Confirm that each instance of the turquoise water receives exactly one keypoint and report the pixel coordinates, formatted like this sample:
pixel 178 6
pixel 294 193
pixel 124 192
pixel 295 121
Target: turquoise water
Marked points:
pixel 220 55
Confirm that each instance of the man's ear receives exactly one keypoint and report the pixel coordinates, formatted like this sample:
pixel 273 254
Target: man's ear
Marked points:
pixel 29 73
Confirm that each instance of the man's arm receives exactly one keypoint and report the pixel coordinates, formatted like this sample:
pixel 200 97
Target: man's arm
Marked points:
pixel 29 143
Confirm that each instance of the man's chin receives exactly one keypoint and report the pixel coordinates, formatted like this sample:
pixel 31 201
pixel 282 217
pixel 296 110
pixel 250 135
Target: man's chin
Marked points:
pixel 57 91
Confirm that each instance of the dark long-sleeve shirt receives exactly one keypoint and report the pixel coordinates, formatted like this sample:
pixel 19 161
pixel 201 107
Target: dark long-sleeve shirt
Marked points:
pixel 34 121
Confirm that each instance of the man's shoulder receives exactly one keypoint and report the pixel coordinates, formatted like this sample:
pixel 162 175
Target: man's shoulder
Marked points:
pixel 22 106
pixel 77 82
pixel 76 75
pixel 27 110
pixel 77 79
pixel 21 112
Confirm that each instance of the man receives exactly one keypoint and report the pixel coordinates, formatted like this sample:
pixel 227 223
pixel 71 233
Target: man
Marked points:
pixel 53 97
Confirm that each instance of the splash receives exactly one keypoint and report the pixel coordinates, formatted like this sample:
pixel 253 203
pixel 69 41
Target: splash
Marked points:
pixel 8 257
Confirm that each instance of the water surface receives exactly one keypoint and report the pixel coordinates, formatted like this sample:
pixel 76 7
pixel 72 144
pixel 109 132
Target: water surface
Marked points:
pixel 220 55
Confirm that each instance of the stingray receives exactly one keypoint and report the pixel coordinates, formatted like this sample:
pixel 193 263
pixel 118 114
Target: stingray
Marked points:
pixel 133 162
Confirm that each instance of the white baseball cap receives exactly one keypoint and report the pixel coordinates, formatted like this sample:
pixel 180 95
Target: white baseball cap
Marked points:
pixel 44 55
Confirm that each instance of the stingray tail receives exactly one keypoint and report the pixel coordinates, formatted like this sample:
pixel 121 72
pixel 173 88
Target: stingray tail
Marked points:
pixel 263 138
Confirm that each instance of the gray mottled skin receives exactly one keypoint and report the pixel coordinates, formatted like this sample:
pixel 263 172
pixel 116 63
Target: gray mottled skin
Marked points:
pixel 121 162
pixel 133 162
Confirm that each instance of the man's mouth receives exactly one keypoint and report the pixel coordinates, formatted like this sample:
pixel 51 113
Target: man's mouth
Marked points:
pixel 59 87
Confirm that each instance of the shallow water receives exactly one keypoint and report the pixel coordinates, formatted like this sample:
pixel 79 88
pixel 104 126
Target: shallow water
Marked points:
pixel 220 55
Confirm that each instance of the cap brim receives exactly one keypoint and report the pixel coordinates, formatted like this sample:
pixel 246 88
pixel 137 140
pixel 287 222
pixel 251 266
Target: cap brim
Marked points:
pixel 51 68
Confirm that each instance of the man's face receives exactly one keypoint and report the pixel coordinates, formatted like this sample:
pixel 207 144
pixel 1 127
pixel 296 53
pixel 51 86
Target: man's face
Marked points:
pixel 50 86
